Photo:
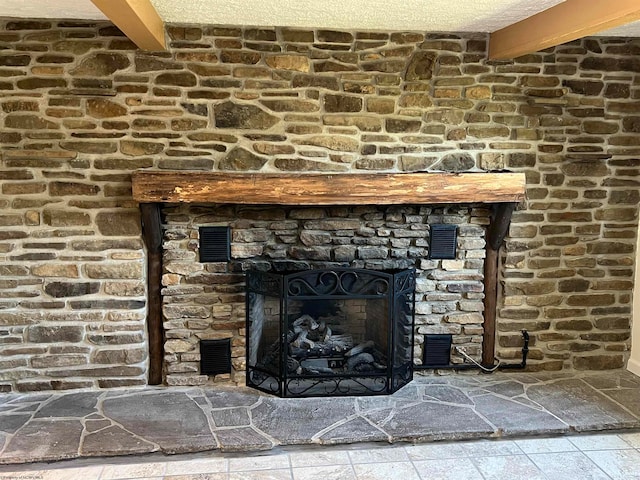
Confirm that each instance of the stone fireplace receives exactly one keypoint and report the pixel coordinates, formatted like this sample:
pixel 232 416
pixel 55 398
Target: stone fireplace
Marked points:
pixel 313 222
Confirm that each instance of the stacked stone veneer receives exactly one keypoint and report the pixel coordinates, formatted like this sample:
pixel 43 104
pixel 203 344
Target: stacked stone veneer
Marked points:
pixel 81 108
pixel 206 300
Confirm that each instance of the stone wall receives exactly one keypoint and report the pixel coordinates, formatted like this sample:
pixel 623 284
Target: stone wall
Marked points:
pixel 81 108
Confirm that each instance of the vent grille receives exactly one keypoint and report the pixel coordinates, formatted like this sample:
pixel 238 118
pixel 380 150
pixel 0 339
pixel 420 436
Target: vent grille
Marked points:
pixel 437 350
pixel 215 356
pixel 215 244
pixel 442 242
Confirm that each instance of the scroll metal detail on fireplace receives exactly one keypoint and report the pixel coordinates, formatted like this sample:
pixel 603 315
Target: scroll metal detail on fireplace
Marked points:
pixel 330 332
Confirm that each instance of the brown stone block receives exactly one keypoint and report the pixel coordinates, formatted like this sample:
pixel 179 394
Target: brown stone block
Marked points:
pixel 119 270
pixel 238 56
pixel 103 108
pixel 574 285
pixel 592 300
pixel 305 165
pixel 55 334
pixel 617 285
pixel 71 289
pixel 59 189
pixel 577 325
pixel 519 313
pixel 569 216
pixel 613 323
pixel 240 159
pixel 10 106
pixel 90 371
pixel 488 132
pixel 65 218
pixel 23 188
pixel 139 148
pixel 603 247
pixel 529 288
pixel 101 64
pixel 315 81
pixel 234 115
pixel 291 105
pixel 342 103
pixel 29 122
pixel 118 223
pixel 298 63
pixel 598 362
pixel 297 36
pixel 46 361
pixel 611 64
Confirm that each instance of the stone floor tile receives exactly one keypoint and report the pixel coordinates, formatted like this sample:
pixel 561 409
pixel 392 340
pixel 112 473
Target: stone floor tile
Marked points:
pixel 386 471
pixel 266 462
pixel 508 467
pixel 436 451
pixel 449 469
pixel 618 464
pixel 319 457
pixel 430 420
pixel 332 472
pixel 134 470
pixel 167 418
pixel 198 476
pixel 515 418
pixel 632 439
pixel 546 445
pixel 44 440
pixel 84 473
pixel 242 439
pixel 599 442
pixel 580 405
pixel 74 405
pixel 355 430
pixel 378 455
pixel 568 465
pixel 194 466
pixel 493 448
pixel 281 474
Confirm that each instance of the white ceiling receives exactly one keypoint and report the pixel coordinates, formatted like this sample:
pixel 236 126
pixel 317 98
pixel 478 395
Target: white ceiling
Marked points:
pixel 421 15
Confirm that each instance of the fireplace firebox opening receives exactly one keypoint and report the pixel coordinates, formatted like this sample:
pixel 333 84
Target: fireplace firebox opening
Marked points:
pixel 330 332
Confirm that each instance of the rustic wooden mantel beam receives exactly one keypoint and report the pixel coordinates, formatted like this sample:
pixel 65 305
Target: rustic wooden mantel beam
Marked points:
pixel 327 189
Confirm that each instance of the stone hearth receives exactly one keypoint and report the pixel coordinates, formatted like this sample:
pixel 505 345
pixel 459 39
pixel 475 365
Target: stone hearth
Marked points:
pixel 46 427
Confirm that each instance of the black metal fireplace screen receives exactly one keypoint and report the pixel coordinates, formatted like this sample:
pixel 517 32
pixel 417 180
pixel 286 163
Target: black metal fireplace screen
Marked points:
pixel 330 332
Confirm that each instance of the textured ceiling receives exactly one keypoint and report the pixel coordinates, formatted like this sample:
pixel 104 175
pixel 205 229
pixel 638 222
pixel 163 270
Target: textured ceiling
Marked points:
pixel 422 15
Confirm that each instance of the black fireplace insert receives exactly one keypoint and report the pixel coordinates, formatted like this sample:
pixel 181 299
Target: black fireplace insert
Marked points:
pixel 330 332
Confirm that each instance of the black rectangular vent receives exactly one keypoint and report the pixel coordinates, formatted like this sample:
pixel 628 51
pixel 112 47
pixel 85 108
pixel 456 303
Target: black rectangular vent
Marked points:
pixel 442 242
pixel 437 350
pixel 215 356
pixel 215 244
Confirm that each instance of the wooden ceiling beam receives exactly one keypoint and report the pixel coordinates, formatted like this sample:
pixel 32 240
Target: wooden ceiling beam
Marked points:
pixel 138 19
pixel 562 23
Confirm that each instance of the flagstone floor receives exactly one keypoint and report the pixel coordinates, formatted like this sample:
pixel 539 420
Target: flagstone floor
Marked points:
pixel 58 426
